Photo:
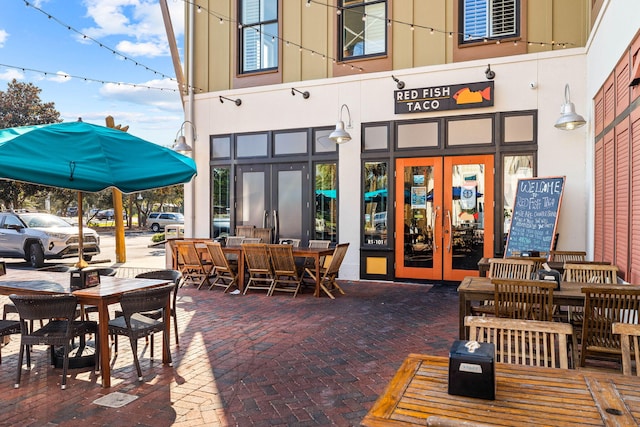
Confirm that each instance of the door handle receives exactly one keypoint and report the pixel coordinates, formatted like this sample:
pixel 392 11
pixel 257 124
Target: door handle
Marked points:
pixel 276 226
pixel 450 231
pixel 265 219
pixel 434 217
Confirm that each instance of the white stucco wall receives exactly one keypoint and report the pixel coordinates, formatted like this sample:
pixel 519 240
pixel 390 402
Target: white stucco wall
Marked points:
pixel 370 99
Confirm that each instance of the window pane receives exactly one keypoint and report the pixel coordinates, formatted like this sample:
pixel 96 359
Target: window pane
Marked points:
pixel 518 129
pixel 220 197
pixel 251 145
pixel 376 200
pixel 364 28
pixel 418 135
pixel 489 18
pixel 259 35
pixel 514 168
pixel 290 143
pixel 221 148
pixel 375 138
pixel 326 211
pixel 473 131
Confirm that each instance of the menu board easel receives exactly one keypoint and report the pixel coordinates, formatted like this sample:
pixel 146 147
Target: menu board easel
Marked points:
pixel 535 216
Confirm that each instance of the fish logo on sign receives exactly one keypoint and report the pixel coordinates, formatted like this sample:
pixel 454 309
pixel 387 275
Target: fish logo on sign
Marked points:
pixel 467 96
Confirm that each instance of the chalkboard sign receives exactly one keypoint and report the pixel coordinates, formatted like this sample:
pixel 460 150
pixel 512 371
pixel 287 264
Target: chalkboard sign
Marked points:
pixel 535 216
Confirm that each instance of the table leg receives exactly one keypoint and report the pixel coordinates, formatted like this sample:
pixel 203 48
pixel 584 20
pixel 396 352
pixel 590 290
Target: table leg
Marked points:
pixel 103 336
pixel 166 351
pixel 241 272
pixel 464 310
pixel 316 292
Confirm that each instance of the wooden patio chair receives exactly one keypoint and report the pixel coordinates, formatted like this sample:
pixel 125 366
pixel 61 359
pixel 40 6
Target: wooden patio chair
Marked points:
pixel 259 267
pixel 524 299
pixel 526 342
pixel 235 240
pixel 265 234
pixel 252 240
pixel 604 306
pixel 309 264
pixel 245 230
pixel 193 270
pixel 504 268
pixel 630 345
pixel 176 278
pixel 587 273
pixel 224 274
pixel 567 256
pixel 287 241
pixel 328 282
pixel 286 275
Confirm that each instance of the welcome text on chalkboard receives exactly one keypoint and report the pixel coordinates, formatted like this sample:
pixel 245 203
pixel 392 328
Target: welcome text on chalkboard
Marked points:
pixel 535 215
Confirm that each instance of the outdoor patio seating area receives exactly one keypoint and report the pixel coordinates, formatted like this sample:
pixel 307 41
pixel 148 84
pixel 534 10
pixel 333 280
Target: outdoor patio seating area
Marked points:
pixel 248 361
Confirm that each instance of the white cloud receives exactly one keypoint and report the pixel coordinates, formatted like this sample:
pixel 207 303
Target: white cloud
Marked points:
pixel 10 74
pixel 149 49
pixel 140 21
pixel 59 77
pixel 3 37
pixel 166 100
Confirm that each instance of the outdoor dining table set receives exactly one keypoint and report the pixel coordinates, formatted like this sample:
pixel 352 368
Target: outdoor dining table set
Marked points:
pixel 556 352
pixel 53 289
pixel 247 264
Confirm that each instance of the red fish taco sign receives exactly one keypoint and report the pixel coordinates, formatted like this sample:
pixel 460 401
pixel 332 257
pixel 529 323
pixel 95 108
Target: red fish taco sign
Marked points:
pixel 440 98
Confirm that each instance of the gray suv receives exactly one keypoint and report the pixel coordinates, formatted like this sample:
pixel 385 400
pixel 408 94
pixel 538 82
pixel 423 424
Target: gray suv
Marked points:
pixel 157 220
pixel 37 236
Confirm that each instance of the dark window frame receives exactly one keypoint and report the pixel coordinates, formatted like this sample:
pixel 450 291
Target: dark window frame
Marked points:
pixel 259 27
pixel 347 6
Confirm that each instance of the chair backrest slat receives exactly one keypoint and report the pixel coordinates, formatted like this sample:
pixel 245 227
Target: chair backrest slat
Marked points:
pixel 282 260
pixel 524 299
pixel 322 244
pixel 604 306
pixel 591 273
pixel 526 342
pixel 564 256
pixel 630 345
pixel 510 268
pixel 257 257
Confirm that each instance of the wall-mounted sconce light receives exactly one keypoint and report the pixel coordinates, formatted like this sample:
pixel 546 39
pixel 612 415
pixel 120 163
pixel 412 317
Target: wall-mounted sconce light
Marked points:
pixel 237 101
pixel 569 119
pixel 489 73
pixel 399 83
pixel 180 143
pixel 304 94
pixel 339 135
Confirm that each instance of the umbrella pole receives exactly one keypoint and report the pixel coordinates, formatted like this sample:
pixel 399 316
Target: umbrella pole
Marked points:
pixel 81 262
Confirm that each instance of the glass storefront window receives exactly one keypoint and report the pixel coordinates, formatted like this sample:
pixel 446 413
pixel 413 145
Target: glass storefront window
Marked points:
pixel 514 168
pixel 376 200
pixel 326 204
pixel 221 210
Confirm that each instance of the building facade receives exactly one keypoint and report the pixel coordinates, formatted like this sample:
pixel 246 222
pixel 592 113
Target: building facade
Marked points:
pixel 447 104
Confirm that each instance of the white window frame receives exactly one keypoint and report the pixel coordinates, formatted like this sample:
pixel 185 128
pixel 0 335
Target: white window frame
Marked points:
pixel 489 19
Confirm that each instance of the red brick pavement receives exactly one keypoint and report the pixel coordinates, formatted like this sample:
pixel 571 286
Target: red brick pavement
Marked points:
pixel 250 360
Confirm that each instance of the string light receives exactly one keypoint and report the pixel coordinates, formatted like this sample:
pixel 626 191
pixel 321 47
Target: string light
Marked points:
pixel 88 79
pixel 86 37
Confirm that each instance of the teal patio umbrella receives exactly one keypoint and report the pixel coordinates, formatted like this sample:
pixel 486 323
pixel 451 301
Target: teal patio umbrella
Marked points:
pixel 86 157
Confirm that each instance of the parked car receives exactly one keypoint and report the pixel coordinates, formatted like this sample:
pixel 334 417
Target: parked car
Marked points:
pixel 108 214
pixel 36 237
pixel 157 220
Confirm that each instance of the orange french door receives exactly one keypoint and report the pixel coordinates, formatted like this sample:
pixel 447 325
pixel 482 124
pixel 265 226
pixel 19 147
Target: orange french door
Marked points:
pixel 444 216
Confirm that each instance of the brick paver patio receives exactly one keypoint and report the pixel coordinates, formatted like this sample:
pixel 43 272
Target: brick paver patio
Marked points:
pixel 250 360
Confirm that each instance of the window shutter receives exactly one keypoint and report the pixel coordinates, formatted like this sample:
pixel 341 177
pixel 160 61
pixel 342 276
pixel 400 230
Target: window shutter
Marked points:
pixel 475 19
pixel 503 18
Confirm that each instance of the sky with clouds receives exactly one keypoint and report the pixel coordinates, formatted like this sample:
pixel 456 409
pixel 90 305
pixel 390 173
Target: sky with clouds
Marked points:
pixel 45 41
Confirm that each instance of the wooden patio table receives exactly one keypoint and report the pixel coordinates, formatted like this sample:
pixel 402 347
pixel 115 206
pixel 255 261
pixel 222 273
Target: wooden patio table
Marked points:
pixel 481 289
pixel 525 396
pixel 108 292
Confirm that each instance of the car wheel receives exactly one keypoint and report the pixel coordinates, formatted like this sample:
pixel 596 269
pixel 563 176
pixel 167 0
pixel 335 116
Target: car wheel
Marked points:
pixel 36 255
pixel 87 257
pixel 155 228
